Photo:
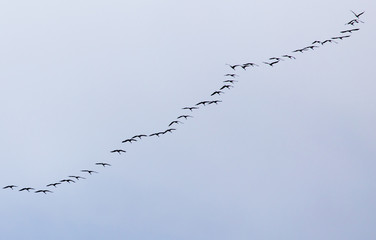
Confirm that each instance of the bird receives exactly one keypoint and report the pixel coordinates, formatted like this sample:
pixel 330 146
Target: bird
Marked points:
pixel 288 56
pixel 10 186
pixel 272 63
pixel 174 122
pixel 103 164
pixel 129 140
pixel 357 15
pixel 140 136
pixel 300 50
pixel 317 41
pixel 185 116
pixel 215 101
pixel 43 191
pixel 169 130
pixel 250 64
pixel 190 108
pixel 350 30
pixel 231 75
pixel 118 151
pixel 328 40
pixel 68 180
pixel 77 177
pixel 226 86
pixel 216 92
pixel 27 189
pixel 202 103
pixel 89 171
pixel 311 47
pixel 341 37
pixel 230 81
pixel 156 134
pixel 233 66
pixel 52 184
pixel 276 58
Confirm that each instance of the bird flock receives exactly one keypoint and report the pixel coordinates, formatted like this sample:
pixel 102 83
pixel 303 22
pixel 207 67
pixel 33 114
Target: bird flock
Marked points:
pixel 227 85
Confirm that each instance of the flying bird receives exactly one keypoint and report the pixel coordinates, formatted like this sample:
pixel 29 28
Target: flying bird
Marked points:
pixel 52 184
pixel 317 41
pixel 26 188
pixel 129 140
pixel 202 103
pixel 311 47
pixel 288 56
pixel 89 171
pixel 185 116
pixel 156 134
pixel 76 177
pixel 169 130
pixel 230 81
pixel 174 122
pixel 272 63
pixel 350 30
pixel 103 164
pixel 328 40
pixel 215 101
pixel 43 191
pixel 140 136
pixel 226 86
pixel 231 75
pixel 276 58
pixel 357 15
pixel 216 92
pixel 118 151
pixel 10 186
pixel 233 66
pixel 68 181
pixel 300 50
pixel 341 37
pixel 190 108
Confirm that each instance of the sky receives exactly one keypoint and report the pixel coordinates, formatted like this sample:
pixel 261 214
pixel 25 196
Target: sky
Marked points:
pixel 289 153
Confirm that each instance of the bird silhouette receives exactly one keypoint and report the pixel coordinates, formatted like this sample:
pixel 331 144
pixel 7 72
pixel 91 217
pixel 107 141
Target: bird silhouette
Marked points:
pixel 202 103
pixel 10 186
pixel 216 92
pixel 103 164
pixel 52 184
pixel 190 108
pixel 129 140
pixel 311 47
pixel 185 116
pixel 317 41
pixel 67 181
pixel 169 130
pixel 289 56
pixel 272 63
pixel 89 171
pixel 215 101
pixel 230 81
pixel 231 75
pixel 226 86
pixel 174 122
pixel 341 37
pixel 26 188
pixel 250 64
pixel 357 15
pixel 276 58
pixel 352 22
pixel 233 66
pixel 300 50
pixel 350 30
pixel 328 40
pixel 156 134
pixel 77 177
pixel 43 191
pixel 118 151
pixel 139 136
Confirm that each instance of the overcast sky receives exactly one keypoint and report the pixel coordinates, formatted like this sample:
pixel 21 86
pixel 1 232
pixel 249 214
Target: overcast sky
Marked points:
pixel 289 153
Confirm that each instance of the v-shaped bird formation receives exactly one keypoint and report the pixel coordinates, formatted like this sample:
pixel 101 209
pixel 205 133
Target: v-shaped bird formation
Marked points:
pixel 228 84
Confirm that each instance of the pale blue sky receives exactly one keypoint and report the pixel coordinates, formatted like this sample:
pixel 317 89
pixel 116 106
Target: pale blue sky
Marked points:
pixel 288 154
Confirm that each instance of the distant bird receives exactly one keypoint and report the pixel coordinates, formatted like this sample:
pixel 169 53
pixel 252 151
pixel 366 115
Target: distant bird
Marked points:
pixel 230 81
pixel 43 191
pixel 276 58
pixel 231 75
pixel 288 56
pixel 300 50
pixel 68 181
pixel 156 134
pixel 89 171
pixel 216 92
pixel 190 108
pixel 352 22
pixel 103 164
pixel 215 101
pixel 233 66
pixel 129 140
pixel 169 130
pixel 226 86
pixel 202 103
pixel 185 116
pixel 52 184
pixel 26 188
pixel 10 186
pixel 250 64
pixel 317 41
pixel 118 151
pixel 341 37
pixel 311 47
pixel 174 122
pixel 357 15
pixel 272 63
pixel 140 136
pixel 77 177
pixel 328 40
pixel 350 30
